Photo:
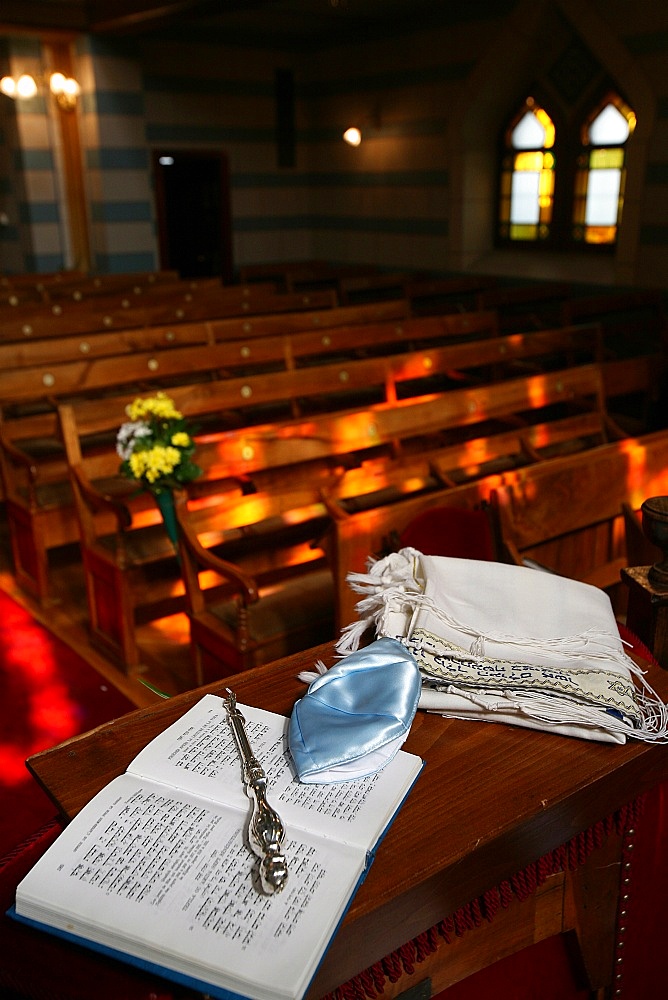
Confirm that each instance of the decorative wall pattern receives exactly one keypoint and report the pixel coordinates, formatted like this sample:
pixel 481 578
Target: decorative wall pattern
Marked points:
pixel 419 192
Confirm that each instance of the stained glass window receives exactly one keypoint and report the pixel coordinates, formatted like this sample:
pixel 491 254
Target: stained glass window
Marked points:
pixel 527 176
pixel 601 173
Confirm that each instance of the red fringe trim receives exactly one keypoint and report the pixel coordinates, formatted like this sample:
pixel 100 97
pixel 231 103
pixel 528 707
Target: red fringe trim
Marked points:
pixel 370 984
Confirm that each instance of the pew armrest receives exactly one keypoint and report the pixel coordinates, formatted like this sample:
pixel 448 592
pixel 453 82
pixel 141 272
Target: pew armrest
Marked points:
pixel 20 472
pixel 194 556
pixel 98 502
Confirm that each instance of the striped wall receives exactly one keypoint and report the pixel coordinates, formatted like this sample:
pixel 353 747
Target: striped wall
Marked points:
pixel 204 95
pixel 420 190
pixel 11 254
pixel 11 258
pixel 34 238
pixel 116 160
pixel 384 201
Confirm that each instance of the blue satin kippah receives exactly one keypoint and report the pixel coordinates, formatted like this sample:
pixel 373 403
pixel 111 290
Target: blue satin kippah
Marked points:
pixel 354 718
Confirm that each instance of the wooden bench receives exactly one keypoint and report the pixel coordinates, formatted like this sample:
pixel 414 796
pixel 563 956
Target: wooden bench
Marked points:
pixel 48 351
pixel 35 474
pixel 81 300
pixel 373 287
pixel 529 306
pixel 266 541
pixel 634 329
pixel 43 361
pixel 56 319
pixel 187 351
pixel 564 514
pixel 106 343
pixel 304 275
pixel 58 284
pixel 459 293
pixel 304 460
pixel 633 320
pixel 193 351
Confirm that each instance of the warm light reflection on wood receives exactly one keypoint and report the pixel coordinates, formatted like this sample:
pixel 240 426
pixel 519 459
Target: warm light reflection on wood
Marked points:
pixel 538 395
pixel 641 481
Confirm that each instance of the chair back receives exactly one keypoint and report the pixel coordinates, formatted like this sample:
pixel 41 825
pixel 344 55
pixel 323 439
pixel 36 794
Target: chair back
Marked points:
pixel 460 532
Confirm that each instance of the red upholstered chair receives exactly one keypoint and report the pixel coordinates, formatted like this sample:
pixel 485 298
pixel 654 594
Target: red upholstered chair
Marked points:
pixel 460 532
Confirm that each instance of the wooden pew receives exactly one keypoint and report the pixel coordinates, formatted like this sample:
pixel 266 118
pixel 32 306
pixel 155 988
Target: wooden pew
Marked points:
pixel 47 357
pixel 63 372
pixel 633 320
pixel 59 283
pixel 107 289
pixel 564 514
pixel 57 319
pixel 265 324
pixel 301 460
pixel 35 474
pixel 101 344
pixel 530 306
pixel 304 275
pixel 106 343
pixel 281 271
pixel 373 287
pixel 459 293
pixel 112 287
pixel 634 329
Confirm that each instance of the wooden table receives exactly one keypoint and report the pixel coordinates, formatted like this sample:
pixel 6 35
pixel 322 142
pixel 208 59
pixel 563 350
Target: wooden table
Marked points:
pixel 491 799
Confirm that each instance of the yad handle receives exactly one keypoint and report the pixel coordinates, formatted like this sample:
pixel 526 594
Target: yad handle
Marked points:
pixel 265 829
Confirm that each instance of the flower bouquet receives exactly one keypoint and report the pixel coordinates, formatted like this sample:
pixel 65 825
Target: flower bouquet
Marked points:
pixel 156 449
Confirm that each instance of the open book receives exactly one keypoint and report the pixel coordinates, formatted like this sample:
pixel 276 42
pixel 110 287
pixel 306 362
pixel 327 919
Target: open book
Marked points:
pixel 156 869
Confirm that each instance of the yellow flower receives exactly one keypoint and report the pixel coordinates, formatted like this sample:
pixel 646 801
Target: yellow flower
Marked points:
pixel 181 439
pixel 154 462
pixel 160 406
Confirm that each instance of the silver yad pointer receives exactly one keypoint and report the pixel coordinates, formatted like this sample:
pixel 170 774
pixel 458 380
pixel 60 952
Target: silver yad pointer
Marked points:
pixel 265 829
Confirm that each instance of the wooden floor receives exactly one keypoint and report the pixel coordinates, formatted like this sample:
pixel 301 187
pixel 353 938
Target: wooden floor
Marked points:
pixel 164 647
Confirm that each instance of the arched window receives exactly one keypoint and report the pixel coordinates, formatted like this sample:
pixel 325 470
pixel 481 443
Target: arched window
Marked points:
pixel 601 174
pixel 527 175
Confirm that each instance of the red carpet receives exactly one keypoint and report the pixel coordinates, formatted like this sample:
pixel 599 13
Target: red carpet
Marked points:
pixel 47 694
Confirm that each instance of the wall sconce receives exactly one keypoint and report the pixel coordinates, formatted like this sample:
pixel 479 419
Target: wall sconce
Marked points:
pixel 65 89
pixel 352 136
pixel 372 125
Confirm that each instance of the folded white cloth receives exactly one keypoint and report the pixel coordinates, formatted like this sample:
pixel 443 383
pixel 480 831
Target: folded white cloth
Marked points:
pixel 509 644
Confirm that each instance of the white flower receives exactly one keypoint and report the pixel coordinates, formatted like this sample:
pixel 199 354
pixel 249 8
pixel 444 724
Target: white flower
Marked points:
pixel 128 434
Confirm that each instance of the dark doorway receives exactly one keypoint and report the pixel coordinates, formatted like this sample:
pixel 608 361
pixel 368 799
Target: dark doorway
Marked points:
pixel 193 212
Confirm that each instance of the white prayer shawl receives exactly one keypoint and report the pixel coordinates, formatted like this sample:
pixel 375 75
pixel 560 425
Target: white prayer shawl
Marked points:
pixel 510 644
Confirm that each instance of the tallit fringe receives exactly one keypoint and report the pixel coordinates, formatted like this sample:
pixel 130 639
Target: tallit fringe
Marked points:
pixel 396 585
pixel 549 710
pixel 380 596
pixel 307 676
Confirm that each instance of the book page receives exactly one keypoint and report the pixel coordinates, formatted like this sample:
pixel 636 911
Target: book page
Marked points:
pixel 165 877
pixel 198 753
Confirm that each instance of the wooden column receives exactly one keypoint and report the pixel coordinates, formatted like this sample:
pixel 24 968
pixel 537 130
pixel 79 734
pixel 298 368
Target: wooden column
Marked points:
pixel 59 57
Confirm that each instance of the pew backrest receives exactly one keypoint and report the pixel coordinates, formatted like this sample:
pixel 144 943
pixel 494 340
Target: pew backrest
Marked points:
pixel 563 513
pixel 392 365
pixel 58 319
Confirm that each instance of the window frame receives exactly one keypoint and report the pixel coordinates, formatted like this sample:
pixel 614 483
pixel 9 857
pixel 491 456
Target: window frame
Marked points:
pixel 571 158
